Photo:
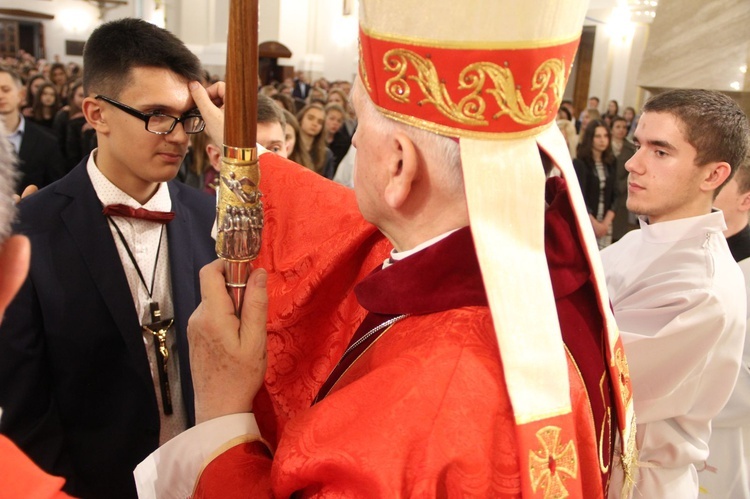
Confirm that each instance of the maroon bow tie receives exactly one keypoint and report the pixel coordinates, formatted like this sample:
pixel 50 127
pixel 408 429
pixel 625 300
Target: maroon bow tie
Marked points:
pixel 121 210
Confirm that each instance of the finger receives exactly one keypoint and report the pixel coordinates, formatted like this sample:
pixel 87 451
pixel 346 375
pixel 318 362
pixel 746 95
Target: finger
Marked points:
pixel 216 93
pixel 29 190
pixel 213 288
pixel 255 305
pixel 212 115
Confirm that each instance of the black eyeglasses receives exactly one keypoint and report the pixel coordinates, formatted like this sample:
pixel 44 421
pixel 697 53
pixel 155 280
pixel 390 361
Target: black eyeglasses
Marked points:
pixel 160 123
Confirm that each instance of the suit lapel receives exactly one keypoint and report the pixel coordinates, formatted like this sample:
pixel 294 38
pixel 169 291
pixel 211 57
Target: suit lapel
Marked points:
pixel 88 227
pixel 184 283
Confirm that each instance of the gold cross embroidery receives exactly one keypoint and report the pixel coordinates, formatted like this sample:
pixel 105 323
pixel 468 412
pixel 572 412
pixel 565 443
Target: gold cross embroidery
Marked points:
pixel 550 466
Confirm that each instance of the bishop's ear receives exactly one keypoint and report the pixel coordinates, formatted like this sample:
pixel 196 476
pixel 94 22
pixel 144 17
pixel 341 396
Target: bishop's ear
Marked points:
pixel 403 167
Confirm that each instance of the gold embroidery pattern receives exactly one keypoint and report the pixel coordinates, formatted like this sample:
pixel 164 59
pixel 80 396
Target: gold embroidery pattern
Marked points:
pixel 629 459
pixel 548 78
pixel 553 464
pixel 606 427
pixel 622 366
pixel 363 70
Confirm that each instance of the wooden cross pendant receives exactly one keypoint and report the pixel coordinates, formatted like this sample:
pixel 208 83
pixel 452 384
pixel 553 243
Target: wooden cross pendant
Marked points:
pixel 158 328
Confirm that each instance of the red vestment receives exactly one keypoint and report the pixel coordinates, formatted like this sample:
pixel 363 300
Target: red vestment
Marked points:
pixel 20 477
pixel 423 411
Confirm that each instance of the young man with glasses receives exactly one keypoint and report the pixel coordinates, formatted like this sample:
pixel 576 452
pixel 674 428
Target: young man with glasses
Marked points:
pixel 94 364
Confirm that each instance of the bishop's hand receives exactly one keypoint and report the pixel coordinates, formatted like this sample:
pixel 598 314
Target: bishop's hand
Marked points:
pixel 227 354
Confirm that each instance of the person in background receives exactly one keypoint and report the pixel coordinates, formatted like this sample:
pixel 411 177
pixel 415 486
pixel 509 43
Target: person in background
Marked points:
pixel 301 87
pixel 631 120
pixel 334 129
pixel 271 126
pixel 284 101
pixel 726 471
pixel 613 110
pixel 32 86
pixel 677 294
pixel 310 150
pixel 58 75
pixel 78 136
pixel 595 168
pixel 291 132
pixel 568 129
pixel 587 116
pixel 46 105
pixel 593 104
pixel 41 162
pixel 623 150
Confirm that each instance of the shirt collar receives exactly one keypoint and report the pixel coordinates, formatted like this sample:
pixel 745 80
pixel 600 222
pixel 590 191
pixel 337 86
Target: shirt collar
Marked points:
pixel 108 193
pixel 683 228
pixel 400 255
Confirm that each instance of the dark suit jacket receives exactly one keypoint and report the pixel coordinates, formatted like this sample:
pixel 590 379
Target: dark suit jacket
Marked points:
pixel 589 181
pixel 301 89
pixel 40 160
pixel 75 384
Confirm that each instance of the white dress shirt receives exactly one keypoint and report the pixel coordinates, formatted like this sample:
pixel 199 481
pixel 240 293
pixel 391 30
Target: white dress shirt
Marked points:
pixel 142 237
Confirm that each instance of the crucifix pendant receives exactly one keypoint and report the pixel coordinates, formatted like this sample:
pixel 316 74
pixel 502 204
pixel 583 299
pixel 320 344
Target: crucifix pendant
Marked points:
pixel 158 328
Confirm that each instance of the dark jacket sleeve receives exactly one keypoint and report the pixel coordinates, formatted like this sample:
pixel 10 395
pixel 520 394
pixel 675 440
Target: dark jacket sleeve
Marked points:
pixel 582 172
pixel 30 416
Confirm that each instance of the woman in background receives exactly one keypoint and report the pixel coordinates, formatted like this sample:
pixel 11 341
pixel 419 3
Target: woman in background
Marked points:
pixel 32 86
pixel 291 132
pixel 630 121
pixel 337 138
pixel 46 105
pixel 595 169
pixel 58 74
pixel 613 110
pixel 312 142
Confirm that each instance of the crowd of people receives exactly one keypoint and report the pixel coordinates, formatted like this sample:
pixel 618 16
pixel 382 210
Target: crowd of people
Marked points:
pixel 477 317
pixel 318 128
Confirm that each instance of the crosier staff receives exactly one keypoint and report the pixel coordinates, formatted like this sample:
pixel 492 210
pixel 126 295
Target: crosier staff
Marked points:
pixel 239 211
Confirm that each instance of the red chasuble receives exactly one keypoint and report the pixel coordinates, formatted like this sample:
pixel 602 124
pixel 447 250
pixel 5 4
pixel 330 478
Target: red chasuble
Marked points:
pixel 420 410
pixel 20 477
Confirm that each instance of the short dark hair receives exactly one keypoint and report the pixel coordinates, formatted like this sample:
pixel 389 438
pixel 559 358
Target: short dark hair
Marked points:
pixel 269 112
pixel 286 101
pixel 710 121
pixel 743 174
pixel 616 119
pixel 595 98
pixel 567 113
pixel 116 47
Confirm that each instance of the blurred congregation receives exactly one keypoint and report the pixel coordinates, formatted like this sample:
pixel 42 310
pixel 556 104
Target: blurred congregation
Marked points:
pixel 311 123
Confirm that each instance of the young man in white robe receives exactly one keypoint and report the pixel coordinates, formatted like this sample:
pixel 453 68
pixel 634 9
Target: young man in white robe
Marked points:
pixel 726 472
pixel 678 295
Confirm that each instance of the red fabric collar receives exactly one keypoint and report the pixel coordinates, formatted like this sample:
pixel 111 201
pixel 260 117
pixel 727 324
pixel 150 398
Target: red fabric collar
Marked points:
pixel 441 277
pixel 446 275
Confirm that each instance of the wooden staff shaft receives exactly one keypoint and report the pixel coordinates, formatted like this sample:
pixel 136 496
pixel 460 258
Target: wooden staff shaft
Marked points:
pixel 239 210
